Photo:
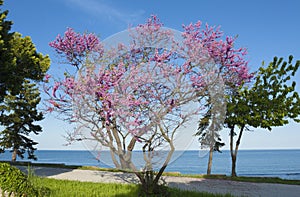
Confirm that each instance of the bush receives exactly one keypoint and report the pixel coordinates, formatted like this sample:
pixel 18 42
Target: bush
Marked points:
pixel 14 182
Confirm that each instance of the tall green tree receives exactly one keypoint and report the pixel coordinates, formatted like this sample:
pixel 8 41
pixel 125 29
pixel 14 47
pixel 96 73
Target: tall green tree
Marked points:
pixel 20 67
pixel 208 128
pixel 271 101
pixel 19 59
pixel 19 112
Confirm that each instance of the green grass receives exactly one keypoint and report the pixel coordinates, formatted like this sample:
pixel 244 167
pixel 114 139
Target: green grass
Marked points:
pixel 223 177
pixel 64 188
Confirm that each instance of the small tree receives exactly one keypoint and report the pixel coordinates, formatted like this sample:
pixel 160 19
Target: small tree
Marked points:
pixel 138 93
pixel 271 101
pixel 208 128
pixel 18 114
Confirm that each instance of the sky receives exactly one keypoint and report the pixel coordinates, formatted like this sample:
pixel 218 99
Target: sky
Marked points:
pixel 266 28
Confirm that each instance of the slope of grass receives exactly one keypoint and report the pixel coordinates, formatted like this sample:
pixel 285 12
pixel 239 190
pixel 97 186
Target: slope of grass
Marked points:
pixel 64 188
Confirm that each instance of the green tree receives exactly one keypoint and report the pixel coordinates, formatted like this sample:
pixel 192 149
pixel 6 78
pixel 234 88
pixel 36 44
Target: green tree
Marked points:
pixel 20 67
pixel 208 126
pixel 19 59
pixel 19 112
pixel 270 102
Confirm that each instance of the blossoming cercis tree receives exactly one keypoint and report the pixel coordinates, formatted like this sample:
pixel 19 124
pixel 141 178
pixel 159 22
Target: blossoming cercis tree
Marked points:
pixel 142 92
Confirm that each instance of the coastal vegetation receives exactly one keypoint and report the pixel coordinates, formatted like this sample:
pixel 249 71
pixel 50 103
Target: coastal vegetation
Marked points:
pixel 269 100
pixel 13 182
pixel 21 68
pixel 137 93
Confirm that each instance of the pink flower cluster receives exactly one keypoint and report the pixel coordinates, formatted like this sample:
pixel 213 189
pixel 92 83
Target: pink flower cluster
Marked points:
pixel 153 23
pixel 207 41
pixel 75 47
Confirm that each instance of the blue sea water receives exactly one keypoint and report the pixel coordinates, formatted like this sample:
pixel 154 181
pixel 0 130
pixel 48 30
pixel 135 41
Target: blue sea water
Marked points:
pixel 266 163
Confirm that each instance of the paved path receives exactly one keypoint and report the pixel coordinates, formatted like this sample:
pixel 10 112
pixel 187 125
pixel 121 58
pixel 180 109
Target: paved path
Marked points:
pixel 198 184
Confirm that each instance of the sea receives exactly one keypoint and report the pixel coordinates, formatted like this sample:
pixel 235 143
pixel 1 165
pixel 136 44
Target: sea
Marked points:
pixel 284 164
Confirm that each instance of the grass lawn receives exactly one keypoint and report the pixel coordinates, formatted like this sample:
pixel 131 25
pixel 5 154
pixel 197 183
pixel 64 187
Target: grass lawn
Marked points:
pixel 64 188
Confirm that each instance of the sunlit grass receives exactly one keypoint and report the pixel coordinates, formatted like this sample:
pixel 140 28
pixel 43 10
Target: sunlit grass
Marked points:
pixel 64 188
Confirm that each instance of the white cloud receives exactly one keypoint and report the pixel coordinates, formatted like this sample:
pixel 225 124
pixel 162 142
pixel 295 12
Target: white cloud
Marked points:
pixel 102 10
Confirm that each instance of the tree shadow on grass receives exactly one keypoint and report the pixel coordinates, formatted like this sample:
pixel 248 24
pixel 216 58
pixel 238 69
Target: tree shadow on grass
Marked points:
pixel 43 171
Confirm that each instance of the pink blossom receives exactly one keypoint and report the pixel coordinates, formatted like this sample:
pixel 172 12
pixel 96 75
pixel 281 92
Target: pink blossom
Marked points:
pixel 75 47
pixel 55 88
pixel 231 60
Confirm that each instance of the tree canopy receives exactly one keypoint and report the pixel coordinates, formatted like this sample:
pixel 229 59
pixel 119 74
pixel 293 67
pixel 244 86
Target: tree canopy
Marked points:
pixel 19 112
pixel 21 66
pixel 271 101
pixel 19 59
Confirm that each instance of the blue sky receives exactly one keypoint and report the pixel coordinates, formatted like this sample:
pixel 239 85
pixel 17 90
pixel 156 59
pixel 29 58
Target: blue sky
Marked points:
pixel 267 28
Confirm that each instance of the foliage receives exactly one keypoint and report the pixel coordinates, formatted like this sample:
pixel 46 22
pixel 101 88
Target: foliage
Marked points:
pixel 271 101
pixel 18 115
pixel 16 183
pixel 20 66
pixel 231 62
pixel 206 133
pixel 139 93
pixel 19 59
pixel 209 125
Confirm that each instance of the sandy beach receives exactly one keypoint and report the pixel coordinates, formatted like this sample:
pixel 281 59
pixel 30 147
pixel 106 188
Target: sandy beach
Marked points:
pixel 197 184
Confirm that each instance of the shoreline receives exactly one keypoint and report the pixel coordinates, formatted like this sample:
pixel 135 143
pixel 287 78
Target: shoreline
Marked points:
pixel 190 162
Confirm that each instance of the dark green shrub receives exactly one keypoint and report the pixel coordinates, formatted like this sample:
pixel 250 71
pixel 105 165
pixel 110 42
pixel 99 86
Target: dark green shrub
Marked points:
pixel 14 182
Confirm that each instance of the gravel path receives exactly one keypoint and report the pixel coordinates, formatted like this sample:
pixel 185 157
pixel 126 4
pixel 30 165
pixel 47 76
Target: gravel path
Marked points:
pixel 198 184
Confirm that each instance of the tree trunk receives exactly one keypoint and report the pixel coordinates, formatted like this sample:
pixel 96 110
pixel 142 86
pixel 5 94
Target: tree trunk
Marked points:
pixel 232 153
pixel 209 165
pixel 235 151
pixel 150 180
pixel 233 165
pixel 14 155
